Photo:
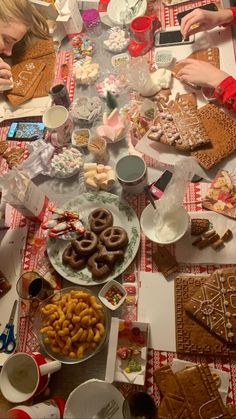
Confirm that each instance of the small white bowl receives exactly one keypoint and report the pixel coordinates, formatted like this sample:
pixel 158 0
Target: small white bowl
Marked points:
pixel 148 227
pixel 77 132
pixel 106 288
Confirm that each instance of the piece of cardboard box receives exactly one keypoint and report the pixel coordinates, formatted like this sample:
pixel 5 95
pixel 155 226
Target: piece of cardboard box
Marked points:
pixel 113 371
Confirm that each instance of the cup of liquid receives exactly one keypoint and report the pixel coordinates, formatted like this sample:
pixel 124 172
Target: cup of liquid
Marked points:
pixel 32 286
pixel 139 405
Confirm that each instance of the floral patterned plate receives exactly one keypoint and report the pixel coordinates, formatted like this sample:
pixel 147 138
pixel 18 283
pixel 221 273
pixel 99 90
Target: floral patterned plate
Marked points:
pixel 124 216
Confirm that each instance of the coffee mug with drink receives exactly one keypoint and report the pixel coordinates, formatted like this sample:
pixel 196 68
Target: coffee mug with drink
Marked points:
pixel 142 29
pixel 59 124
pixel 131 172
pixel 25 375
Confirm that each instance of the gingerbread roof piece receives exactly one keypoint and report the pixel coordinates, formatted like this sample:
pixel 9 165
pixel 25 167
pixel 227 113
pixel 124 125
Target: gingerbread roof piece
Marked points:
pixel 189 394
pixel 213 305
pixel 179 125
pixel 221 129
pixel 37 49
pixel 191 336
pixel 211 55
pixel 24 75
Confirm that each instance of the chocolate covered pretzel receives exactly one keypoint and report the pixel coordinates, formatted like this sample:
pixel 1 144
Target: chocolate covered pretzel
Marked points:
pixel 99 269
pixel 100 219
pixel 73 259
pixel 114 238
pixel 86 244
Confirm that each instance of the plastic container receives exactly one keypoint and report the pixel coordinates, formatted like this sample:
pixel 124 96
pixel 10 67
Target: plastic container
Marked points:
pixel 163 58
pixel 92 21
pixel 52 408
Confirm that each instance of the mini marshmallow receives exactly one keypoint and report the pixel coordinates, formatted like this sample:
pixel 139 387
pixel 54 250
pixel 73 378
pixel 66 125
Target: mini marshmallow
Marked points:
pixel 100 178
pixel 89 174
pixel 100 168
pixel 90 182
pixel 90 166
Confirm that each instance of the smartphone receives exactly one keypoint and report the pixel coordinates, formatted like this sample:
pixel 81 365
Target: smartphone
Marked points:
pixel 26 131
pixel 211 6
pixel 172 36
pixel 157 188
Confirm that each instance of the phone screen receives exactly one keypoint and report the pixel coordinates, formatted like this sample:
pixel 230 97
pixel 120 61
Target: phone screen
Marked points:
pixel 26 130
pixel 172 37
pixel 163 181
pixel 210 6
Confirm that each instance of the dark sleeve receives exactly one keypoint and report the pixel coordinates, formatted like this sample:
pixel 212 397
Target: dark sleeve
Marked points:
pixel 225 92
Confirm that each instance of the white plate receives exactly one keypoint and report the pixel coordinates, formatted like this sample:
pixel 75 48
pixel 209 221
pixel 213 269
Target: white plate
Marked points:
pixel 115 7
pixel 87 399
pixel 123 215
pixel 186 253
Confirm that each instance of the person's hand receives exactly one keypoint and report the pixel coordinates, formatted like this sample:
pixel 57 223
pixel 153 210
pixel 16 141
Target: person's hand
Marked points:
pixel 200 73
pixel 5 74
pixel 202 20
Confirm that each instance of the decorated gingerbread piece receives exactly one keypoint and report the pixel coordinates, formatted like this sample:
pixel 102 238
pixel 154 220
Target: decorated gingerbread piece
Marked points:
pixel 213 305
pixel 221 196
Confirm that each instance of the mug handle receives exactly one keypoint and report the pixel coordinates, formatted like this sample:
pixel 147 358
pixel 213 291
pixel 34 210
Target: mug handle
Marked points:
pixel 49 367
pixel 156 24
pixel 55 141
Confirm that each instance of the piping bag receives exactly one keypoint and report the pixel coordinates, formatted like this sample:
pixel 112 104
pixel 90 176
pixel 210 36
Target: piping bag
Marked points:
pixel 168 218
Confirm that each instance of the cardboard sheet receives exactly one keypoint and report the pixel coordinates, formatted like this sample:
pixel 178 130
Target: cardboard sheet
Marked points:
pixel 156 307
pixel 12 243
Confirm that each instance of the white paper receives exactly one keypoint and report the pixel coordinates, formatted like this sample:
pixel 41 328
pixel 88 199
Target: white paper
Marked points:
pixel 156 306
pixel 186 253
pixel 33 107
pixel 12 243
pixel 221 38
pixel 179 364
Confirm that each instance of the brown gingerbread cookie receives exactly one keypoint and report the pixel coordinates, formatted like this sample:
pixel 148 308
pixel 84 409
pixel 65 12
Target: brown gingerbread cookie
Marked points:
pixel 110 257
pixel 199 226
pixel 114 238
pixel 100 219
pixel 86 244
pixel 73 259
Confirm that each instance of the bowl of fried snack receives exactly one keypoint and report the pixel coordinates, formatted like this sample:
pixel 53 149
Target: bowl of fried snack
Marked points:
pixel 71 325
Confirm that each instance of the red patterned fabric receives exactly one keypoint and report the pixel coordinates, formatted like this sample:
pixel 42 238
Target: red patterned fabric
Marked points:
pixel 35 256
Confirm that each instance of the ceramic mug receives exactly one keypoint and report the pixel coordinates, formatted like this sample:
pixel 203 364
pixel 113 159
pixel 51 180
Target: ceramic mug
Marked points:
pixel 143 29
pixel 59 124
pixel 25 375
pixel 131 172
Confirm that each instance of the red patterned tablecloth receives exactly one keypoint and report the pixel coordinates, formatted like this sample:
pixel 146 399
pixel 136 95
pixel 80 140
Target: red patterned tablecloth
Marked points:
pixel 35 250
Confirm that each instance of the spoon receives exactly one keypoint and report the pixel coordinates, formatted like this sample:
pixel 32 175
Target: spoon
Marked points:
pixel 150 197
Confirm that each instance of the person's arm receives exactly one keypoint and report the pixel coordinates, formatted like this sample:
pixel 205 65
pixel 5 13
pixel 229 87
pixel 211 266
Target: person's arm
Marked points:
pixel 202 20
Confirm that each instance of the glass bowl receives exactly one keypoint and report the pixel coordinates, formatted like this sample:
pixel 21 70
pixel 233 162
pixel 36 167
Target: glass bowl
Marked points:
pixel 56 332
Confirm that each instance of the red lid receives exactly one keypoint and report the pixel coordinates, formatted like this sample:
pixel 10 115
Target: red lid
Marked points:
pixel 16 413
pixel 136 48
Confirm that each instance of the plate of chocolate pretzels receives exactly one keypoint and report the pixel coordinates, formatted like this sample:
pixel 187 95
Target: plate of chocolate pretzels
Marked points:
pixel 108 245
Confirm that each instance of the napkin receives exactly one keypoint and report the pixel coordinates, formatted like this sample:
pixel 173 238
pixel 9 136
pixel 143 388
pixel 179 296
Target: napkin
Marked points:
pixel 38 161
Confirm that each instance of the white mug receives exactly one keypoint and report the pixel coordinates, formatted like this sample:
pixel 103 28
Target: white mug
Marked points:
pixel 59 124
pixel 131 172
pixel 25 375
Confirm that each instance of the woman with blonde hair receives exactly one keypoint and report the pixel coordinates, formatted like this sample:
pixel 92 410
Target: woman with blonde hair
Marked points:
pixel 20 22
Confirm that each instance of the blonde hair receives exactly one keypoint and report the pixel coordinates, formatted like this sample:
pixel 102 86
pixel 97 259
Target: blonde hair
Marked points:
pixel 25 12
